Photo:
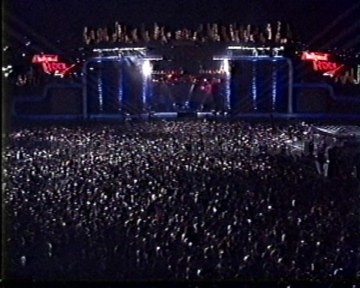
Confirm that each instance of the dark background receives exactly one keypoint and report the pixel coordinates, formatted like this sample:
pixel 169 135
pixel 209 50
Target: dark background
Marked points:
pixel 322 23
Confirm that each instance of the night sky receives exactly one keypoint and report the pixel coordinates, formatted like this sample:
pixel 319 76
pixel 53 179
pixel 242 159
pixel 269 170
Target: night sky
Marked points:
pixel 324 23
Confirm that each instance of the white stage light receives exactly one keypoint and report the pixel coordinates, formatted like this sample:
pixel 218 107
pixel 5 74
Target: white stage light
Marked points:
pixel 146 68
pixel 226 66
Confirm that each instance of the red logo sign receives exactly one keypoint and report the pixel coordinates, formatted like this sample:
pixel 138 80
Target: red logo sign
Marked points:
pixel 315 56
pixel 45 58
pixel 320 63
pixel 324 66
pixel 51 65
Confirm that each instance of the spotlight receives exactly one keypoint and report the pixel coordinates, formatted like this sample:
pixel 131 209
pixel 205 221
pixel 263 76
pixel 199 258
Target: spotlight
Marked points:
pixel 146 68
pixel 226 66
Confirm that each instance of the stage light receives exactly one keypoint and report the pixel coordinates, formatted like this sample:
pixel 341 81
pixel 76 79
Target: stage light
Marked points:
pixel 274 87
pixel 226 66
pixel 146 68
pixel 253 85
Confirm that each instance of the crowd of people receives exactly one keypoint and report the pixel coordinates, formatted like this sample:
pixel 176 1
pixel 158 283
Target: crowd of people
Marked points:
pixel 274 33
pixel 175 200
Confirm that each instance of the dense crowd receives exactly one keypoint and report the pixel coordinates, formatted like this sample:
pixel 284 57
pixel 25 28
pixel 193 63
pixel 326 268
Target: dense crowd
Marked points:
pixel 175 200
pixel 274 33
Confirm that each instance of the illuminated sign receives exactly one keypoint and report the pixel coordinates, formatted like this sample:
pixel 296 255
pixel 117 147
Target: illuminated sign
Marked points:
pixel 320 63
pixel 348 77
pixel 335 72
pixel 325 66
pixel 51 65
pixel 45 58
pixel 315 56
pixel 56 68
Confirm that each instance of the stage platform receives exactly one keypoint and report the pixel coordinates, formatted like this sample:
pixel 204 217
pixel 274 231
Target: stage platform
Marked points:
pixel 183 115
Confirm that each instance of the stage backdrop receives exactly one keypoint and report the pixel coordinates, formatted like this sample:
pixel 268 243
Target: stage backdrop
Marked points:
pixel 115 86
pixel 259 84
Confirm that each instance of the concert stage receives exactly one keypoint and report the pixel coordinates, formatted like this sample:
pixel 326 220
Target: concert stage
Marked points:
pixel 220 82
